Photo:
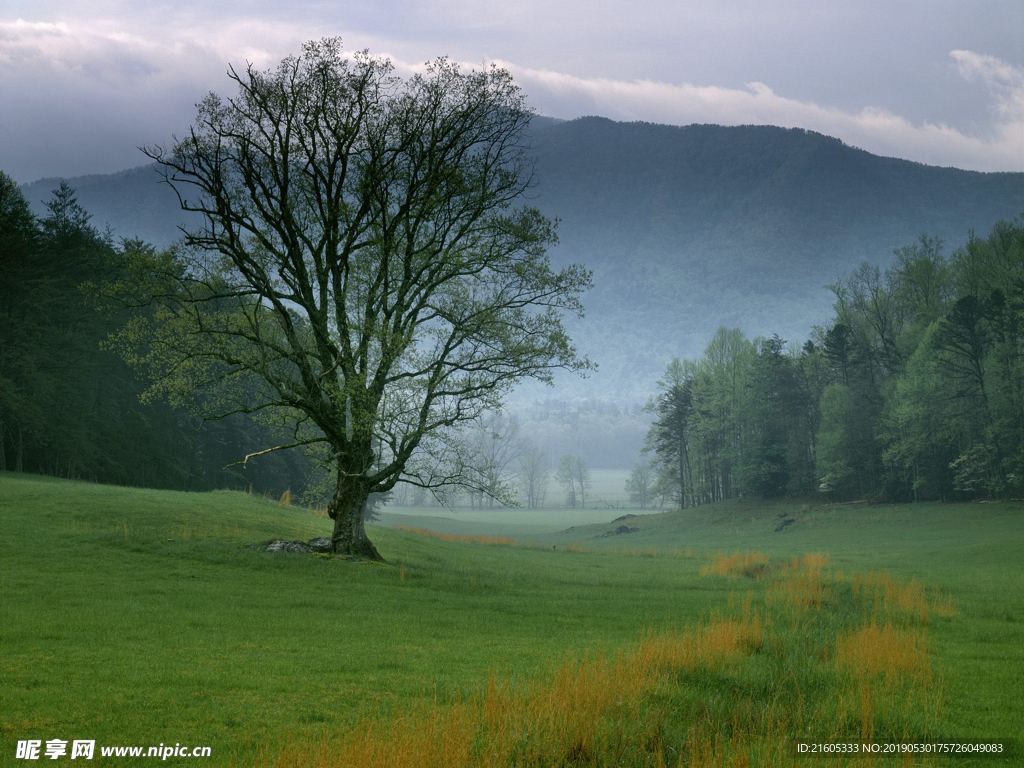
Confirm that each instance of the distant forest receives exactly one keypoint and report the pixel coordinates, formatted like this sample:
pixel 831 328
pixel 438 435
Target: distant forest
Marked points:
pixel 914 390
pixel 685 228
pixel 68 406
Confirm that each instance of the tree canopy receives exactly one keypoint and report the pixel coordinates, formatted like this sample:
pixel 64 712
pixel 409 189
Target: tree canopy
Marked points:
pixel 366 271
pixel 914 390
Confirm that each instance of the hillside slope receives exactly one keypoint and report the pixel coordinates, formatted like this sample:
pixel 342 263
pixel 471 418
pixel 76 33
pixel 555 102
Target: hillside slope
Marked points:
pixel 686 228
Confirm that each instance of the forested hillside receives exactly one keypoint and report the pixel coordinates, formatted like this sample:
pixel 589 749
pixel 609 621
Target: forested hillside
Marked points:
pixel 686 229
pixel 71 408
pixel 914 390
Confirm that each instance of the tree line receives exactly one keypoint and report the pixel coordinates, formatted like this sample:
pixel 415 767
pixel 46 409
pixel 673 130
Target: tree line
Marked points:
pixel 509 470
pixel 70 407
pixel 914 390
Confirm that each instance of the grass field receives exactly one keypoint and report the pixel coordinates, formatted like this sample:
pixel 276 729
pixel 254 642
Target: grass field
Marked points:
pixel 137 617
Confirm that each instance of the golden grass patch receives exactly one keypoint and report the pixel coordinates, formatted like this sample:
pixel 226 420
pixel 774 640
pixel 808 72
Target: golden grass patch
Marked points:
pixel 460 538
pixel 586 711
pixel 883 650
pixel 624 708
pixel 881 594
pixel 738 563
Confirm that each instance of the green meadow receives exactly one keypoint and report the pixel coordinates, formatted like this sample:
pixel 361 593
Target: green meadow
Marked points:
pixel 140 617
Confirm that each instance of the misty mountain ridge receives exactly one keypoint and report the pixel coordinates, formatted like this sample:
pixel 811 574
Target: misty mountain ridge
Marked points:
pixel 686 229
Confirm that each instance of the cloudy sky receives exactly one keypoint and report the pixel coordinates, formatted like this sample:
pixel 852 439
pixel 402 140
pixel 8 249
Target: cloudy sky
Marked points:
pixel 937 81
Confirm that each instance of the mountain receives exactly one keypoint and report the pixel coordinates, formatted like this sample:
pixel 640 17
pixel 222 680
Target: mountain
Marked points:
pixel 685 228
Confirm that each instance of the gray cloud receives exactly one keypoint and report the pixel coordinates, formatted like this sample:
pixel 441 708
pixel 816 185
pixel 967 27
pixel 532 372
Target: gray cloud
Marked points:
pixel 940 82
pixel 876 130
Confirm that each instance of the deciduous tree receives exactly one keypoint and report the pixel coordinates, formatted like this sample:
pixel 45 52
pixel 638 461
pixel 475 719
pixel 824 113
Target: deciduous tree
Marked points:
pixel 365 264
pixel 533 476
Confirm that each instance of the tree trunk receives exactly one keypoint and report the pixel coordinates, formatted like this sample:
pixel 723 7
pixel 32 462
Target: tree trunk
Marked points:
pixel 19 456
pixel 3 442
pixel 347 509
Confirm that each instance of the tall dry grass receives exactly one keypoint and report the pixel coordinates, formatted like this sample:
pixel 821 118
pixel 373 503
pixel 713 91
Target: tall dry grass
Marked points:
pixel 690 696
pixel 881 594
pixel 459 538
pixel 750 564
pixel 803 584
pixel 885 651
pixel 587 711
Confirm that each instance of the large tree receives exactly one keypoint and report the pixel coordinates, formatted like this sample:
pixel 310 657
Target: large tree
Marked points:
pixel 669 436
pixel 366 258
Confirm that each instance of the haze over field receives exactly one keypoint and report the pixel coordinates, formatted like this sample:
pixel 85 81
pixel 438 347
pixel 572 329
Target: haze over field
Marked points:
pixel 686 229
pixel 760 219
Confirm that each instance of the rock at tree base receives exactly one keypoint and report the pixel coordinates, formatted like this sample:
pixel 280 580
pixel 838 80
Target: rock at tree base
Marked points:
pixel 321 544
pixel 288 546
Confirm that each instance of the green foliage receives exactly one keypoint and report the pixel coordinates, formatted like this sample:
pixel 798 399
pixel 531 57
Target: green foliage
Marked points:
pixel 687 228
pixel 741 420
pixel 70 407
pixel 670 434
pixel 919 426
pixel 640 484
pixel 973 471
pixel 914 391
pixel 365 273
pixel 835 444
